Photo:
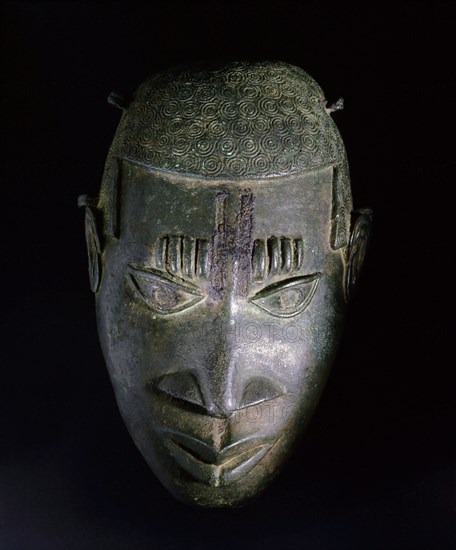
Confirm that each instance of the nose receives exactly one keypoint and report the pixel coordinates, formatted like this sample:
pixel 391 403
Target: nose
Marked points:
pixel 222 378
pixel 218 391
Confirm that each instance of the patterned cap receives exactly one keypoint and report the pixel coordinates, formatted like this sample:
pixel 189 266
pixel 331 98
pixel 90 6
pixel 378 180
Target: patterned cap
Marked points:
pixel 251 120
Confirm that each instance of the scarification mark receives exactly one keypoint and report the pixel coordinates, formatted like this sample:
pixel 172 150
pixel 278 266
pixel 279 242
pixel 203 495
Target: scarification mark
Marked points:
pixel 299 253
pixel 242 253
pixel 276 256
pixel 182 255
pixel 174 256
pixel 287 255
pixel 259 259
pixel 161 252
pixel 202 258
pixel 188 256
pixel 219 248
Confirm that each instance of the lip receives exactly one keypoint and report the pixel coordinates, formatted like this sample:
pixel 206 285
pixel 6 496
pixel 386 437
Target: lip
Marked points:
pixel 216 467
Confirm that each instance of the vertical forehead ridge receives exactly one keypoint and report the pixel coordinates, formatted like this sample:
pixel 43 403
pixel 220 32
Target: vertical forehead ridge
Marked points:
pixel 242 253
pixel 219 247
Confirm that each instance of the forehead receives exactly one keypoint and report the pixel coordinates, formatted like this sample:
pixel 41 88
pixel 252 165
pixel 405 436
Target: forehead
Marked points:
pixel 153 204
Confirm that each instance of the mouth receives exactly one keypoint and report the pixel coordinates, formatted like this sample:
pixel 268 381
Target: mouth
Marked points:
pixel 216 467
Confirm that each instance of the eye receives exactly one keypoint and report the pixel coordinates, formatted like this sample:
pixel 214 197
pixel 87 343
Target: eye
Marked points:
pixel 289 298
pixel 160 294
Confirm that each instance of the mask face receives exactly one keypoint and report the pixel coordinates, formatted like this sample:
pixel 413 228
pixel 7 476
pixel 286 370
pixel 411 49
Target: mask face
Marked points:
pixel 219 313
pixel 220 304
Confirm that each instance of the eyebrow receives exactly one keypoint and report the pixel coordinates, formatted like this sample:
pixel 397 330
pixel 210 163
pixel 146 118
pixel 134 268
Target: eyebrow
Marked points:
pixel 189 257
pixel 276 256
pixel 183 256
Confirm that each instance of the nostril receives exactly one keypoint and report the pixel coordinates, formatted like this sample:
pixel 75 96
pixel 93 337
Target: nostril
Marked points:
pixel 257 390
pixel 183 386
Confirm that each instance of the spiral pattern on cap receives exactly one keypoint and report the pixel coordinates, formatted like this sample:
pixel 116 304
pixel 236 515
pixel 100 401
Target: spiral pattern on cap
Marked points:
pixel 238 120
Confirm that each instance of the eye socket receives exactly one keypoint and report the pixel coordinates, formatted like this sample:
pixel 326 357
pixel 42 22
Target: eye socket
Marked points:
pixel 289 298
pixel 160 294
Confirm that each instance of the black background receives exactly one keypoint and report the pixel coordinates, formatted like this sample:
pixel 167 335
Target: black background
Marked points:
pixel 376 467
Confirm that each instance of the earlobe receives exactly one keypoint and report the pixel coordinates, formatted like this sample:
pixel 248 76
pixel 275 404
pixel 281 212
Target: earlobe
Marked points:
pixel 359 240
pixel 92 240
pixel 93 249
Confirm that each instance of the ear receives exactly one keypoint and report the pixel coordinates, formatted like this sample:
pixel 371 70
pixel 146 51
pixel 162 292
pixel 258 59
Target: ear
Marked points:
pixel 93 242
pixel 359 240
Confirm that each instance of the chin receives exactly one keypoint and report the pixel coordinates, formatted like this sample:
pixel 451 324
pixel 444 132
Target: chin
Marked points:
pixel 230 481
pixel 211 461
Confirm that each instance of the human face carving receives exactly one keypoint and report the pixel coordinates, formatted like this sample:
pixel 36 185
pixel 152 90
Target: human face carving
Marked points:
pixel 219 312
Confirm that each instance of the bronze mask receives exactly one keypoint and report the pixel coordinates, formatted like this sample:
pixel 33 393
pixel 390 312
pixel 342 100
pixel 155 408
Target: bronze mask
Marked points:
pixel 222 251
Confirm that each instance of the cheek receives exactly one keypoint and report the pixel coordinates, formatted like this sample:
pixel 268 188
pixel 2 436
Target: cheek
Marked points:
pixel 299 352
pixel 120 327
pixel 140 346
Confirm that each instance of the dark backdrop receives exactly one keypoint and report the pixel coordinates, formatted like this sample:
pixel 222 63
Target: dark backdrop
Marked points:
pixel 376 468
